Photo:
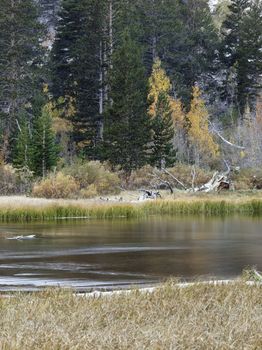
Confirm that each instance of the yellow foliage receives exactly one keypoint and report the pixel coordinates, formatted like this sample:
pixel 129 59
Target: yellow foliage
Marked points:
pixel 45 88
pixel 177 113
pixel 198 131
pixel 158 83
pixel 61 111
pixel 242 154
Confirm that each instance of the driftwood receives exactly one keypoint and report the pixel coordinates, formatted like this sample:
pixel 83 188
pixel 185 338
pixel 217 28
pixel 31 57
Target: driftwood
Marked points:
pixel 219 181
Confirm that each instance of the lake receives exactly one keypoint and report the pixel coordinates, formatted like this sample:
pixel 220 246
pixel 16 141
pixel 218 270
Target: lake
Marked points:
pixel 91 254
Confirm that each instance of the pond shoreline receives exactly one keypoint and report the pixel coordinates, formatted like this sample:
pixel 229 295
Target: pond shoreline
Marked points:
pixel 25 209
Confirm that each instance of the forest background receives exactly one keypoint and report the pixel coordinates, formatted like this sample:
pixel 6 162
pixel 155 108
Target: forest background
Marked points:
pixel 97 96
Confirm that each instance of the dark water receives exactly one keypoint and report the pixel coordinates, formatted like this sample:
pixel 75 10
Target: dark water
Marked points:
pixel 113 254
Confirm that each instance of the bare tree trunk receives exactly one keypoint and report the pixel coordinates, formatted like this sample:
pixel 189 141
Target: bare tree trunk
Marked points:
pixel 100 135
pixel 43 155
pixel 111 31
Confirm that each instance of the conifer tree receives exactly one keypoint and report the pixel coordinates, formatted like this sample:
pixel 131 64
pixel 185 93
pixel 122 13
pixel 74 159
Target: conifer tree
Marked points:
pixel 43 150
pixel 160 114
pixel 162 152
pixel 78 61
pixel 127 127
pixel 20 58
pixel 22 147
pixel 242 32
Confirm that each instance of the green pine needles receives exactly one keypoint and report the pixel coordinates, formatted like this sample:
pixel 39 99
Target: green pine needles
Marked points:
pixel 127 129
pixel 35 146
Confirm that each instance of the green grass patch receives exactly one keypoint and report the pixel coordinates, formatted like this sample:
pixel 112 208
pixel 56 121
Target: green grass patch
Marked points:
pixel 209 206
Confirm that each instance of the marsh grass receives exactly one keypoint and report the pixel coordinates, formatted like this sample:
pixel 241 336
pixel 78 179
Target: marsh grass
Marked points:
pixel 202 316
pixel 28 209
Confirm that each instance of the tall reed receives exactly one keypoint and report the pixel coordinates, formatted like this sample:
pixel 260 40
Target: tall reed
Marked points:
pixel 184 206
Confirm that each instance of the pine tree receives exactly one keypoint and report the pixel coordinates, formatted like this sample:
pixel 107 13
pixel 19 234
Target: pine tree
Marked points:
pixel 242 32
pixel 160 113
pixel 127 127
pixel 43 150
pixel 78 60
pixel 20 58
pixel 21 151
pixel 162 151
pixel 161 26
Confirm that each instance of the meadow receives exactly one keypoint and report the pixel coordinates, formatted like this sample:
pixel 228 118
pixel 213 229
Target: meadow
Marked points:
pixel 201 316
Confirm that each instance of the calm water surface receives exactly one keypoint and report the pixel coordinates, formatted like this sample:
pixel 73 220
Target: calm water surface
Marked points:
pixel 113 254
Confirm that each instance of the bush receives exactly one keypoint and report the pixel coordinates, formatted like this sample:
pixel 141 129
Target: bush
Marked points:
pixel 183 173
pixel 94 173
pixel 9 181
pixel 89 192
pixel 248 179
pixel 56 186
pixel 141 177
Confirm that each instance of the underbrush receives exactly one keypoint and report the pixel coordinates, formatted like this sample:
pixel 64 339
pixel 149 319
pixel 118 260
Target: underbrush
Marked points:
pixel 56 186
pixel 201 316
pixel 81 180
pixel 93 179
pixel 14 181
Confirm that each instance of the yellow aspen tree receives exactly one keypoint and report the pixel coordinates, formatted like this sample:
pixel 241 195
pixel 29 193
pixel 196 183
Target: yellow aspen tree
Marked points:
pixel 158 83
pixel 198 131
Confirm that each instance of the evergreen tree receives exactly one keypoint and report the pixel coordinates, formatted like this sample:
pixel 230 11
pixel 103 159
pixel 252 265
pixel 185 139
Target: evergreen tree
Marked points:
pixel 43 150
pixel 162 151
pixel 160 114
pixel 242 54
pixel 194 58
pixel 78 59
pixel 21 151
pixel 183 36
pixel 20 57
pixel 127 126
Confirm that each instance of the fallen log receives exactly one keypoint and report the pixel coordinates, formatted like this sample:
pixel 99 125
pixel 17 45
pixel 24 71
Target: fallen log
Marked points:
pixel 218 182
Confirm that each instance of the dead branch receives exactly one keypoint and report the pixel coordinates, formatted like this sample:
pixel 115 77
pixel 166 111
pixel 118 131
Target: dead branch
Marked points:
pixel 174 178
pixel 164 182
pixel 213 130
pixel 193 173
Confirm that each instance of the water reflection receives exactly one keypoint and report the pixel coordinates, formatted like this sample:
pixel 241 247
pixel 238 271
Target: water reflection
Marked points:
pixel 87 254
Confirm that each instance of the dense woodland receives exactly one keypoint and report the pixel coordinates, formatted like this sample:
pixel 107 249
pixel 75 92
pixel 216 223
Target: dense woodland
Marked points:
pixel 129 84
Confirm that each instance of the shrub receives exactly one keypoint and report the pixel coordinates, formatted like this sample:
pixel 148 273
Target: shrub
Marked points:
pixel 183 173
pixel 89 192
pixel 248 179
pixel 94 173
pixel 56 186
pixel 141 177
pixel 9 181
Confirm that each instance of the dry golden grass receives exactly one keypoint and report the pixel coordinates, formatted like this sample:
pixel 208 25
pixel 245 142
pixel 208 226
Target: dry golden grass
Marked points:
pixel 196 317
pixel 27 209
